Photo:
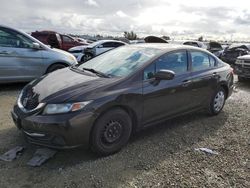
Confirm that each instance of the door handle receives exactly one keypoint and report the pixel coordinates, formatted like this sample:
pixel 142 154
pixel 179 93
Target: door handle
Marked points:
pixel 185 83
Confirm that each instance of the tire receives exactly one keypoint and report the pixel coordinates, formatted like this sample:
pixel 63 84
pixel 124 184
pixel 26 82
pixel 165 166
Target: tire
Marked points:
pixel 55 67
pixel 217 102
pixel 241 79
pixel 111 132
pixel 87 57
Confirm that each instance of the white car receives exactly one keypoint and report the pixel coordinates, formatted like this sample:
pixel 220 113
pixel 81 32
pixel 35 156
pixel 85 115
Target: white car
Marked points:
pixel 77 51
pixel 83 53
pixel 100 47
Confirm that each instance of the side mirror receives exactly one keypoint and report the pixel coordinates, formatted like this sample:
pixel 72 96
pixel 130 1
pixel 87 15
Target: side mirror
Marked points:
pixel 164 75
pixel 36 46
pixel 100 46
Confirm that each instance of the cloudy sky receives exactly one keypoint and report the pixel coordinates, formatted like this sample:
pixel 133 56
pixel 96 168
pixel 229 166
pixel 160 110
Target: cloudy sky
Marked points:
pixel 224 19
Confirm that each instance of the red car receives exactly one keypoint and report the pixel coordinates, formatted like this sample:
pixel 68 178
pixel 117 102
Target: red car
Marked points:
pixel 57 40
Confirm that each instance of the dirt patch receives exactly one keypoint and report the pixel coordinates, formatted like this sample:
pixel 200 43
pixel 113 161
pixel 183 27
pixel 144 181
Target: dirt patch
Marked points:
pixel 161 156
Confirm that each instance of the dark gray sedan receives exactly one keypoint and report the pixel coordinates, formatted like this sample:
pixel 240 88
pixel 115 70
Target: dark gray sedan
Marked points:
pixel 100 102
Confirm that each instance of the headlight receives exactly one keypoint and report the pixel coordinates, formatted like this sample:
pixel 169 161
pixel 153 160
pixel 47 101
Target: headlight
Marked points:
pixel 239 61
pixel 72 58
pixel 64 108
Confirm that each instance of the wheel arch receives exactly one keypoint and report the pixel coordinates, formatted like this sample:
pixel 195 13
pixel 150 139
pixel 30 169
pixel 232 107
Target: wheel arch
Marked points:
pixel 127 109
pixel 224 85
pixel 56 63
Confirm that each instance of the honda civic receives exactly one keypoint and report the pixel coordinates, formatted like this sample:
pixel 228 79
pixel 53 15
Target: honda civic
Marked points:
pixel 100 103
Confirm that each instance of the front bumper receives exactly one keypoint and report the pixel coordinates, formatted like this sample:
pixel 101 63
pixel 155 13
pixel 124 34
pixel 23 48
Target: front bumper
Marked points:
pixel 56 131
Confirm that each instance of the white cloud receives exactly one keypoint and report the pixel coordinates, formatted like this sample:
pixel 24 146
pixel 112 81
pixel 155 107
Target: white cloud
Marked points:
pixel 121 14
pixel 178 18
pixel 92 3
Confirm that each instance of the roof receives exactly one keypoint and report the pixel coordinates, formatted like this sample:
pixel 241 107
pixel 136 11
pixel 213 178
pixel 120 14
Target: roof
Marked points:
pixel 168 47
pixel 103 41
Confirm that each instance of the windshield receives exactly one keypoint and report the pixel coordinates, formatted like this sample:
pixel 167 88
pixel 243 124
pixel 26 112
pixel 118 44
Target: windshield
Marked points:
pixel 121 61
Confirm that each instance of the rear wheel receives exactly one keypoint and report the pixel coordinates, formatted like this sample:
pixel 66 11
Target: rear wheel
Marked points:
pixel 111 132
pixel 217 102
pixel 55 67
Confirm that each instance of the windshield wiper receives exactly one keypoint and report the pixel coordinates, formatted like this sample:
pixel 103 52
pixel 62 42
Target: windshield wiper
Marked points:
pixel 97 72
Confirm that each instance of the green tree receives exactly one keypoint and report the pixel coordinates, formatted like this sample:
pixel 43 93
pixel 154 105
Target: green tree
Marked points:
pixel 200 38
pixel 130 35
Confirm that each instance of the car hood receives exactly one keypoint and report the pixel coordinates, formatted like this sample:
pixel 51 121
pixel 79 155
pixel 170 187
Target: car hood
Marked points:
pixel 244 57
pixel 78 48
pixel 60 51
pixel 65 84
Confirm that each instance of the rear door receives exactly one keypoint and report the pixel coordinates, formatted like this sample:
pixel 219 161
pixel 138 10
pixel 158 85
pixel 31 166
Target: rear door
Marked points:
pixel 168 97
pixel 204 76
pixel 18 60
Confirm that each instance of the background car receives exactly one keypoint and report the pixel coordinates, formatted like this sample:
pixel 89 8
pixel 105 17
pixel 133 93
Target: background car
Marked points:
pixel 215 48
pixel 100 47
pixel 195 44
pixel 78 52
pixel 57 40
pixel 233 51
pixel 189 43
pixel 23 58
pixel 242 67
pixel 100 102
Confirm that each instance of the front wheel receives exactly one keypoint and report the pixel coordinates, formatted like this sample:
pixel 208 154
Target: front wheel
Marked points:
pixel 217 102
pixel 111 132
pixel 87 57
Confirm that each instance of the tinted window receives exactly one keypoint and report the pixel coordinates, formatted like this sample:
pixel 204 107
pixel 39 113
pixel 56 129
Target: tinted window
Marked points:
pixel 9 38
pixel 200 61
pixel 176 62
pixel 117 44
pixel 212 61
pixel 108 45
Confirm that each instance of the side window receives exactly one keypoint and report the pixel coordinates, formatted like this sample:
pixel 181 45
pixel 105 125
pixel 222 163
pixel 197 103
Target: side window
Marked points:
pixel 67 39
pixel 14 39
pixel 117 44
pixel 212 61
pixel 200 61
pixel 149 72
pixel 176 62
pixel 108 45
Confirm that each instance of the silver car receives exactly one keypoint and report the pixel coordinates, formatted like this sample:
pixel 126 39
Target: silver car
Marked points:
pixel 23 58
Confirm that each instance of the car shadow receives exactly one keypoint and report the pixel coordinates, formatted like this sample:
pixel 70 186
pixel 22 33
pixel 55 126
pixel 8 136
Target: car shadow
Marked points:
pixel 172 135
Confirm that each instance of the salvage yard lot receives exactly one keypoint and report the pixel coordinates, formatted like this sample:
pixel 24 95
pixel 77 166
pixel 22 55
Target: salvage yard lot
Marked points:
pixel 161 156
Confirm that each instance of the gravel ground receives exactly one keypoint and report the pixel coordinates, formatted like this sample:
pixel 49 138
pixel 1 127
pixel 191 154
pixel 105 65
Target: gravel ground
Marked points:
pixel 161 156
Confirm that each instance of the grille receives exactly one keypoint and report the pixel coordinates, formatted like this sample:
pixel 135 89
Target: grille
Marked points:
pixel 29 99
